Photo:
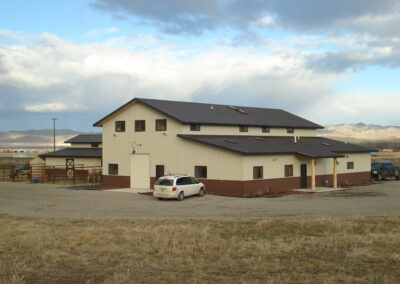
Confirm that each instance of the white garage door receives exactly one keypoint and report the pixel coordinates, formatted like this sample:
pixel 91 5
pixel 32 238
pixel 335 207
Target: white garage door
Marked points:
pixel 140 171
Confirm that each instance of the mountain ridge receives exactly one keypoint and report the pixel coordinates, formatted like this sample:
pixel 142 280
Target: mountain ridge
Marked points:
pixel 37 138
pixel 356 133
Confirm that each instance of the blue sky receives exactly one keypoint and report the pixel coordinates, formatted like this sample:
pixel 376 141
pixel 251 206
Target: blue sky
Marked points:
pixel 332 62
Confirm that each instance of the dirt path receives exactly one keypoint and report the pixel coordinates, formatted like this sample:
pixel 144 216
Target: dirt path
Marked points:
pixel 59 201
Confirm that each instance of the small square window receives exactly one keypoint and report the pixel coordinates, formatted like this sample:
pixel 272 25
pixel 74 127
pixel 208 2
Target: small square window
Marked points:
pixel 266 129
pixel 257 172
pixel 161 125
pixel 288 170
pixel 94 145
pixel 112 169
pixel 243 129
pixel 350 165
pixel 140 125
pixel 120 126
pixel 195 127
pixel 290 130
pixel 200 171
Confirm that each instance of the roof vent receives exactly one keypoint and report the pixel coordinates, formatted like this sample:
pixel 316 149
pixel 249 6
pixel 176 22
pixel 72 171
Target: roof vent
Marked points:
pixel 325 144
pixel 211 108
pixel 231 141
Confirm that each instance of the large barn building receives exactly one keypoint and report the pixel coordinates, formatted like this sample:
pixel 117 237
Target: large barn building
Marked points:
pixel 237 151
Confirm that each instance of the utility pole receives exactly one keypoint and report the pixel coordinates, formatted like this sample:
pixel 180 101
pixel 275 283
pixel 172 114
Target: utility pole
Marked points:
pixel 54 133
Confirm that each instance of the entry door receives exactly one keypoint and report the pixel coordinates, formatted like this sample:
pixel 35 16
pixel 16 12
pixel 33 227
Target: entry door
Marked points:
pixel 69 165
pixel 159 171
pixel 140 170
pixel 303 176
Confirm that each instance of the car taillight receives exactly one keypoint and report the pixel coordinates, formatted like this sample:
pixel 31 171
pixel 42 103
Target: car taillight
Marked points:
pixel 174 188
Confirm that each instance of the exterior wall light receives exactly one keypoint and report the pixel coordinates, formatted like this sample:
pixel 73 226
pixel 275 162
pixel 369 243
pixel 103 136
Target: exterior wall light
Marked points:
pixel 133 148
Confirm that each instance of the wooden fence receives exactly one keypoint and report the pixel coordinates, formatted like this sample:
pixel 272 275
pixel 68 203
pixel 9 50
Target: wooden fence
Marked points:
pixel 79 174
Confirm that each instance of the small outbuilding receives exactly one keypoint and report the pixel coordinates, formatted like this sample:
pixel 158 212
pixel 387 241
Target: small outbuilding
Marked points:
pixel 85 152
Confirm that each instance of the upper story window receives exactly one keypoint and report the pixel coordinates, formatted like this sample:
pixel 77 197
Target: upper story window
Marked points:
pixel 140 125
pixel 94 145
pixel 161 125
pixel 243 128
pixel 265 129
pixel 194 127
pixel 120 126
pixel 290 130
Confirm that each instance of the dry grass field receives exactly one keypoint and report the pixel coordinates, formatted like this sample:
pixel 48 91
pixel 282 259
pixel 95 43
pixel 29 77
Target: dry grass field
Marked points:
pixel 391 157
pixel 326 250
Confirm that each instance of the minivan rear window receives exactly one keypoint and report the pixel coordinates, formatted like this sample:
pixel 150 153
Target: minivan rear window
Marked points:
pixel 164 181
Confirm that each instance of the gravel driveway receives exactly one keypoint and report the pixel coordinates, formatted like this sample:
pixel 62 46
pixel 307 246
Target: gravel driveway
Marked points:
pixel 60 201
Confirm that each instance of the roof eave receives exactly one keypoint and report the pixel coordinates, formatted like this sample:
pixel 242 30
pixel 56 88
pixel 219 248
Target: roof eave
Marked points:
pixel 99 123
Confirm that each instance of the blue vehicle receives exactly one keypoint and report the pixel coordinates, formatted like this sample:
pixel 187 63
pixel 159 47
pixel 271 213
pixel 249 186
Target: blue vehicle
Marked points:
pixel 19 171
pixel 381 171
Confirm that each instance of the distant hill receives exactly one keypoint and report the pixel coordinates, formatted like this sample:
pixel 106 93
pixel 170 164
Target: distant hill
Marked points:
pixel 361 132
pixel 36 138
pixel 356 133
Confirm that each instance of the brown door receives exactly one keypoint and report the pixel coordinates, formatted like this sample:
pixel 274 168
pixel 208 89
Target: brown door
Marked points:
pixel 303 176
pixel 159 171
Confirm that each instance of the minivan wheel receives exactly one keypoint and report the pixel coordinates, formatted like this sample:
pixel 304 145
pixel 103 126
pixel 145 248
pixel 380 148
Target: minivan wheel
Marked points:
pixel 160 198
pixel 201 192
pixel 181 196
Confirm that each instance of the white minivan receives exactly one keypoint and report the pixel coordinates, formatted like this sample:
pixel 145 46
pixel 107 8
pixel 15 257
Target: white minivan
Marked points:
pixel 178 186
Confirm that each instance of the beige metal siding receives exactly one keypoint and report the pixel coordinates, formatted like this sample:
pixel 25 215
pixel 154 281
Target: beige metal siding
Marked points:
pixel 274 165
pixel 362 163
pixel 83 145
pixel 255 131
pixel 81 162
pixel 165 148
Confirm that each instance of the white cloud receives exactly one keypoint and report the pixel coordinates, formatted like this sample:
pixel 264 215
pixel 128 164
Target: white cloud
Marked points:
pixel 53 75
pixel 266 21
pixel 54 107
pixel 101 31
pixel 379 108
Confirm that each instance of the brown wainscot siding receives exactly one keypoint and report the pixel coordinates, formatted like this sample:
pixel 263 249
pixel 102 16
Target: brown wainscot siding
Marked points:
pixel 223 187
pixel 116 181
pixel 350 179
pixel 361 178
pixel 152 182
pixel 260 187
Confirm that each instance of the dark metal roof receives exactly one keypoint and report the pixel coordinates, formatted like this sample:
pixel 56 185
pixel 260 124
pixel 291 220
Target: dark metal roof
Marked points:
pixel 75 153
pixel 86 138
pixel 316 147
pixel 188 112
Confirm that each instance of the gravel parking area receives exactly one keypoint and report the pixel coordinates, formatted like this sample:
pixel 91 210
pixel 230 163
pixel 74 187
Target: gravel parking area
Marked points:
pixel 47 200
